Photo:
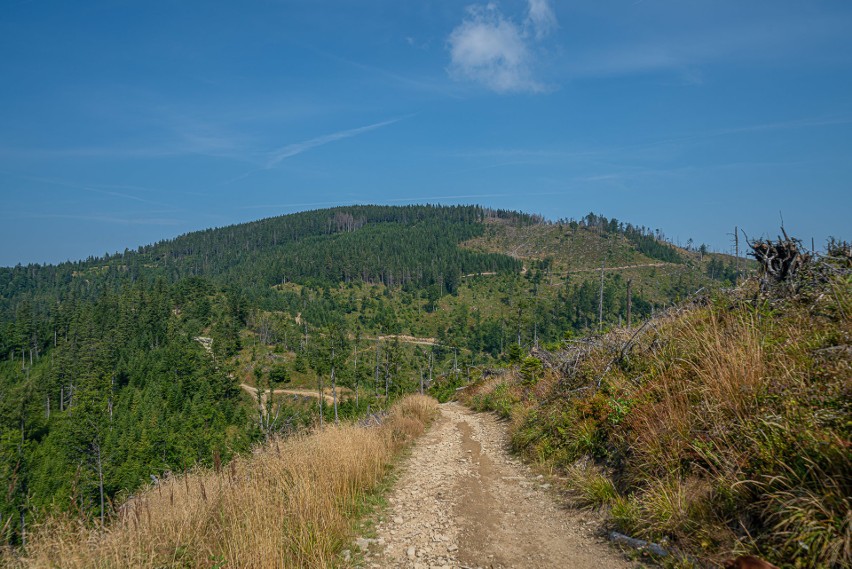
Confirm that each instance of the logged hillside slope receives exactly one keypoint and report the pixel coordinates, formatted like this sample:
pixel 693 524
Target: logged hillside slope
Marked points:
pixel 575 251
pixel 718 428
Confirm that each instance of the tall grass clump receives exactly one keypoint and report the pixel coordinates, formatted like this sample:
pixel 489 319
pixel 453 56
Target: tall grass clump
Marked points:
pixel 289 504
pixel 722 427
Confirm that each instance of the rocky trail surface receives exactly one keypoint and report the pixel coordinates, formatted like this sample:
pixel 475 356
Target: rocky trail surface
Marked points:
pixel 463 501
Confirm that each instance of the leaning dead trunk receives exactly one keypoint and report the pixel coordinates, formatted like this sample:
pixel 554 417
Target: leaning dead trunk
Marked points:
pixel 334 387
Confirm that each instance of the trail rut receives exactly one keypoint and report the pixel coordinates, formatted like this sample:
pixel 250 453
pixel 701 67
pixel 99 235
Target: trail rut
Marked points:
pixel 463 501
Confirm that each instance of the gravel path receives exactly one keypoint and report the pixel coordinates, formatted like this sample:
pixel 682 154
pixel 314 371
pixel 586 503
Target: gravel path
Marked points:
pixel 463 501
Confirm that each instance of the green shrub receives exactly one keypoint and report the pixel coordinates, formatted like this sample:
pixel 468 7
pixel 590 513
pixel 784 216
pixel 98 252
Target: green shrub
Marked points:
pixel 592 487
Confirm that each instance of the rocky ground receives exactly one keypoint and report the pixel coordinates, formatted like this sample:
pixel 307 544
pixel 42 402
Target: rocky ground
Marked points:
pixel 463 501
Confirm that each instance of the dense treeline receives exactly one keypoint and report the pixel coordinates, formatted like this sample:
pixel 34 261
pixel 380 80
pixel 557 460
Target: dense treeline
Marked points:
pixel 391 254
pixel 122 393
pixel 410 245
pixel 393 245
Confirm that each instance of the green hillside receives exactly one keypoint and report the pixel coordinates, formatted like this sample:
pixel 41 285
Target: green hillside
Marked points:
pixel 127 366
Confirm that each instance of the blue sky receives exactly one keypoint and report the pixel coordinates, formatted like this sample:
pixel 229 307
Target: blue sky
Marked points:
pixel 127 122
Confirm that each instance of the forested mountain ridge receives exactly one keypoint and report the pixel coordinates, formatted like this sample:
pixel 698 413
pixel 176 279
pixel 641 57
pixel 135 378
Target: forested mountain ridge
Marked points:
pixel 104 381
pixel 368 243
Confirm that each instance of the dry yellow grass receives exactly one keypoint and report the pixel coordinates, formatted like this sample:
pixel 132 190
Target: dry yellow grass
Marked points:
pixel 289 504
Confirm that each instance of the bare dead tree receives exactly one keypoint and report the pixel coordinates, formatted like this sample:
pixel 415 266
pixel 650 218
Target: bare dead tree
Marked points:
pixel 629 302
pixel 357 382
pixel 264 326
pixel 320 399
pixel 376 377
pixel 456 362
pixel 265 407
pixel 600 298
pixel 737 247
pixel 97 448
pixel 387 374
pixel 333 384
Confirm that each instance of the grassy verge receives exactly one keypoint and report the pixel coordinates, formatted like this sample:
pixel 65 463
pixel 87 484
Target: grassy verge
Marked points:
pixel 289 504
pixel 722 428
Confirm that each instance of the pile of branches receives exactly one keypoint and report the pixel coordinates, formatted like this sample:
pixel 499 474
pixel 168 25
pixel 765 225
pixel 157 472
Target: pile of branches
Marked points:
pixel 788 273
pixel 782 260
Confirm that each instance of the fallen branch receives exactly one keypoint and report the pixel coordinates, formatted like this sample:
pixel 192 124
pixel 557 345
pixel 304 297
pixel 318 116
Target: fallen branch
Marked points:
pixel 621 352
pixel 653 548
pixel 641 544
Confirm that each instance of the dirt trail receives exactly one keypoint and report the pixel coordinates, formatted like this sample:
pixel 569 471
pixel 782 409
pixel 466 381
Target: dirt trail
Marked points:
pixel 463 501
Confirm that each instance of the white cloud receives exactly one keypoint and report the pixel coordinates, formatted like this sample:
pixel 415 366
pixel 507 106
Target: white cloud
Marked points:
pixel 496 51
pixel 541 18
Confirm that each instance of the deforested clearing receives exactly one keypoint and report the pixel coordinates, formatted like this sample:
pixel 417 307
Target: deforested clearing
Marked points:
pixel 289 504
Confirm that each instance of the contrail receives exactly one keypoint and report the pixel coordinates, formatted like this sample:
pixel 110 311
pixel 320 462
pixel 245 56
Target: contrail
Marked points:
pixel 277 156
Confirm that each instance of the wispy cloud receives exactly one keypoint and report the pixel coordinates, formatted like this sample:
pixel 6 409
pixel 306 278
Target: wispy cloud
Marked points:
pixel 103 218
pixel 120 195
pixel 590 154
pixel 293 205
pixel 733 131
pixel 523 153
pixel 812 122
pixel 291 150
pixel 498 52
pixel 453 198
pixel 424 199
pixel 421 83
pixel 156 130
pixel 93 152
pixel 622 175
pixel 769 39
pixel 102 189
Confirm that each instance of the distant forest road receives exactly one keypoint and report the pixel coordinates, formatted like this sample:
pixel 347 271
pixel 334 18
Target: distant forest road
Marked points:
pixel 296 392
pixel 405 339
pixel 622 268
pixel 462 500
